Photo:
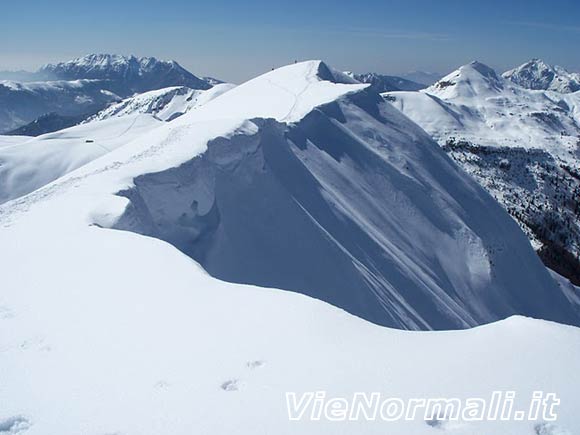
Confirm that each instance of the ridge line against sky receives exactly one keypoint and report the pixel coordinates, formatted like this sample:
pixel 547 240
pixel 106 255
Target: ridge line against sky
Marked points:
pixel 238 40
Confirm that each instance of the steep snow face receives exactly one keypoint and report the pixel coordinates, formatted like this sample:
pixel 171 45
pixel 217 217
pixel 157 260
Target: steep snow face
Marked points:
pixel 125 74
pixel 27 164
pixel 256 208
pixel 165 104
pixel 538 75
pixel 521 145
pixel 165 347
pixel 21 103
pixel 383 83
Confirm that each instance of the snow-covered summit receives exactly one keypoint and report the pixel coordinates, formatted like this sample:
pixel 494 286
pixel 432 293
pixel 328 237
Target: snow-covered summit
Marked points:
pixel 286 94
pixel 299 181
pixel 468 81
pixel 538 75
pixel 128 74
pixel 290 181
pixel 521 144
pixel 474 103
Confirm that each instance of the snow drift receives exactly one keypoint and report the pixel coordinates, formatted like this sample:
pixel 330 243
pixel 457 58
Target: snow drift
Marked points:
pixel 351 203
pixel 146 342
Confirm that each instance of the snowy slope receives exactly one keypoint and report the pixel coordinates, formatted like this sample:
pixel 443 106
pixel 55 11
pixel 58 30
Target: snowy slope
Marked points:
pixel 12 140
pixel 29 163
pixel 536 74
pixel 146 342
pixel 319 179
pixel 165 104
pixel 21 103
pixel 520 144
pixel 475 104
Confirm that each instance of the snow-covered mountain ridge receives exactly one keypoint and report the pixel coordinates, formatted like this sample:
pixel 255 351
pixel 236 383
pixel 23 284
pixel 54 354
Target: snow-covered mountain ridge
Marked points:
pixel 166 104
pixel 383 83
pixel 21 103
pixel 125 74
pixel 522 145
pixel 328 171
pixel 536 74
pixel 308 172
pixel 86 85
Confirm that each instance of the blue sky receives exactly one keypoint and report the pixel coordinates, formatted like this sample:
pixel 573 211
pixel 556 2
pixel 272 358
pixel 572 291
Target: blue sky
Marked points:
pixel 237 40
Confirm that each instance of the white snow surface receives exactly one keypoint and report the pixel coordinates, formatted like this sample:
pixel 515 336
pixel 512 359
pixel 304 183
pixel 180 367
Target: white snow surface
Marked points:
pixel 424 256
pixel 166 104
pixel 108 331
pixel 6 141
pixel 536 74
pixel 29 163
pixel 474 104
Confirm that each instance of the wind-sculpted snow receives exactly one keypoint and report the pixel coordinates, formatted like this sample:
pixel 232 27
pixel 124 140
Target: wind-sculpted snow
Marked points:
pixel 351 204
pixel 347 189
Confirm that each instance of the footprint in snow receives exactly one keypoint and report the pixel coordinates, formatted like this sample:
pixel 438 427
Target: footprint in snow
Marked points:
pixel 232 385
pixel 162 385
pixel 550 429
pixel 443 423
pixel 255 364
pixel 6 313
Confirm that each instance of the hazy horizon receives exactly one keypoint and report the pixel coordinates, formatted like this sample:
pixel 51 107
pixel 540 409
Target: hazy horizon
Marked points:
pixel 235 42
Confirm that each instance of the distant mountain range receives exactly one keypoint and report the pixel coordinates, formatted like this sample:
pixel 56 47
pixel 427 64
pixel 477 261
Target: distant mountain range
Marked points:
pixel 86 85
pixel 46 124
pixel 22 103
pixel 125 75
pixel 384 83
pixel 425 78
pixel 538 75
